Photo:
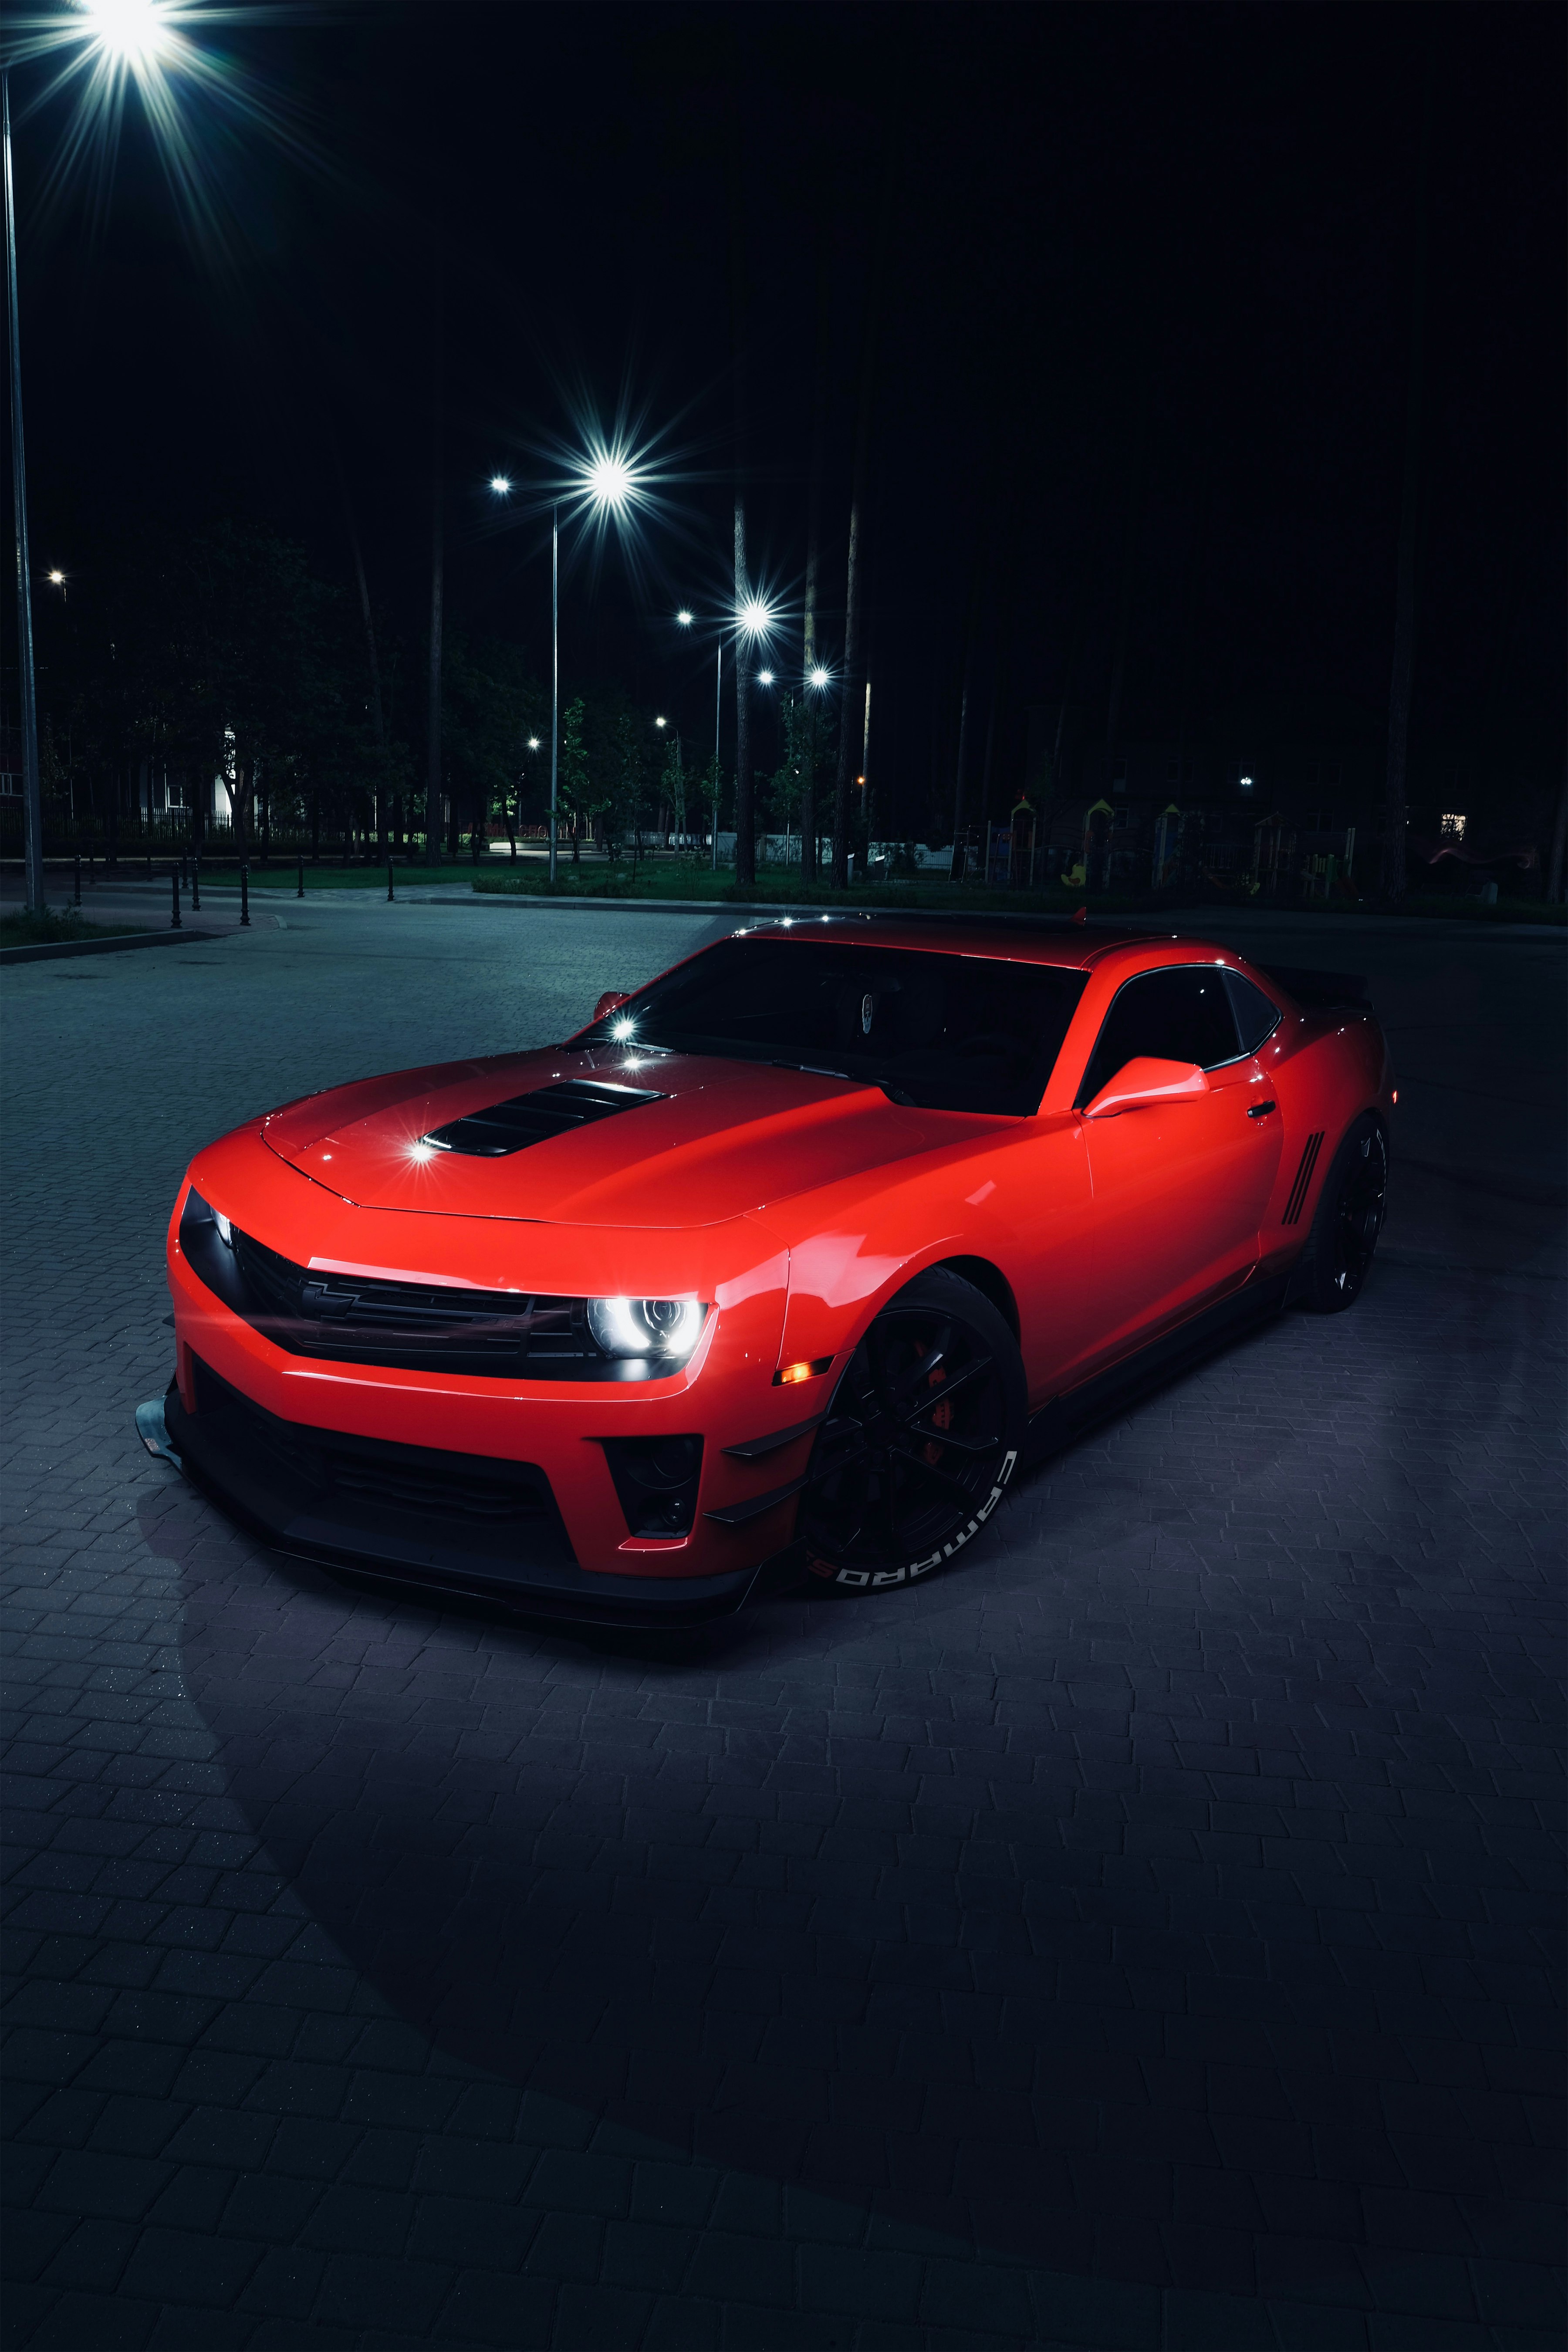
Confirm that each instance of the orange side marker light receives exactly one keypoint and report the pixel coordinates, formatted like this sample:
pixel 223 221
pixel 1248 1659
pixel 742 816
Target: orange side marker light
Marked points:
pixel 787 1374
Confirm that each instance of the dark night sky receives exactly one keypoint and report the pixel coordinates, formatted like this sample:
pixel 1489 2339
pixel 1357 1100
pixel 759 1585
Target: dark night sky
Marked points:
pixel 1196 225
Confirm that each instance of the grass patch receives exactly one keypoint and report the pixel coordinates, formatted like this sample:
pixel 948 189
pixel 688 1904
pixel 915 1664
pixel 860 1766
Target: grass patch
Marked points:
pixel 47 931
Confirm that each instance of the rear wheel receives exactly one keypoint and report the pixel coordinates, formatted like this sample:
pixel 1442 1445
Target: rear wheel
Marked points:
pixel 924 1431
pixel 1339 1252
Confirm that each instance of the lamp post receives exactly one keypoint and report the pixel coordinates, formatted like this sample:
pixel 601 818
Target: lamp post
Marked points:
pixel 606 483
pixel 752 619
pixel 32 803
pixel 132 37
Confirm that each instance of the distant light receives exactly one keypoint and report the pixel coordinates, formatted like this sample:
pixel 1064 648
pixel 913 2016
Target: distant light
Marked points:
pixel 661 722
pixel 621 1030
pixel 533 743
pixel 608 479
pixel 501 484
pixel 754 617
pixel 764 678
pixel 1246 783
pixel 818 677
pixel 685 618
pixel 137 32
pixel 56 578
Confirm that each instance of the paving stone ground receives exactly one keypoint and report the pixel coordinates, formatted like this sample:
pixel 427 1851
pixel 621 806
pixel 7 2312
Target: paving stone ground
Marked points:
pixel 1146 1935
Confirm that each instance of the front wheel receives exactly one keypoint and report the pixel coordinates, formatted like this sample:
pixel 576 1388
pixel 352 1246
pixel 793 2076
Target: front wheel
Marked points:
pixel 1339 1252
pixel 924 1431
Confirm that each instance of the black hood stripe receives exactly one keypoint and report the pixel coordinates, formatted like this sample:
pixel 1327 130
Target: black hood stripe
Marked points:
pixel 522 1119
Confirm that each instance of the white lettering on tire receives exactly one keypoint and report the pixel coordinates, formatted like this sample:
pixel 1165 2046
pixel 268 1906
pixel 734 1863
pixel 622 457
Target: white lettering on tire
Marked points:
pixel 856 1579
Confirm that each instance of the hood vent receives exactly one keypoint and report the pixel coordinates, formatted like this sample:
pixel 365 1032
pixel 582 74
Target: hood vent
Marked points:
pixel 522 1119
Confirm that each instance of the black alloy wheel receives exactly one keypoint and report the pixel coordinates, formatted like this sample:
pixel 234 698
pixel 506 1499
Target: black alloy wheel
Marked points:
pixel 1339 1253
pixel 924 1431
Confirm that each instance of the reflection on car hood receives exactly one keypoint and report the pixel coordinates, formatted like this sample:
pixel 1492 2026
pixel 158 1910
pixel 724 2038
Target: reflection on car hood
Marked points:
pixel 722 1137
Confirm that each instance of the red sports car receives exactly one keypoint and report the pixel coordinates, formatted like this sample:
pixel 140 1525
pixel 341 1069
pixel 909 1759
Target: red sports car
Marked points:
pixel 774 1265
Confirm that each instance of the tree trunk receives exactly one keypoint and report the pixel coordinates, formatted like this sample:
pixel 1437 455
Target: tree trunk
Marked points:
pixel 437 553
pixel 1396 817
pixel 745 820
pixel 1131 532
pixel 377 720
pixel 1559 843
pixel 853 682
pixel 808 827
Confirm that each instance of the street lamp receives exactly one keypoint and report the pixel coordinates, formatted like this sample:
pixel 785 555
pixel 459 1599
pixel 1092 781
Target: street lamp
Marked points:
pixel 753 618
pixel 605 481
pixel 128 36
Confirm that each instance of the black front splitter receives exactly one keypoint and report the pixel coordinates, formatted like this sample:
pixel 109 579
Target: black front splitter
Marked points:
pixel 558 1591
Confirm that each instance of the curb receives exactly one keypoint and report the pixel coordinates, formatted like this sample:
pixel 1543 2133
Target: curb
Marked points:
pixel 49 951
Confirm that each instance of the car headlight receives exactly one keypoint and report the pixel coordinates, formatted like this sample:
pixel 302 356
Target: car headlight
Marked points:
pixel 668 1328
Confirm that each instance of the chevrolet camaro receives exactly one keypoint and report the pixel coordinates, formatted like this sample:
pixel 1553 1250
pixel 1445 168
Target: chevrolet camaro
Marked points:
pixel 776 1268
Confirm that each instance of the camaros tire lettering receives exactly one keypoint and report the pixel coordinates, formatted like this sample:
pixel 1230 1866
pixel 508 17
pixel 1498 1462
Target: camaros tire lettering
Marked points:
pixel 923 1433
pixel 861 1580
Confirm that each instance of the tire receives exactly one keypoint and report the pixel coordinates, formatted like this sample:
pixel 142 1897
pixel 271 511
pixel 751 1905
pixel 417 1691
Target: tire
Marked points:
pixel 1338 1253
pixel 893 1491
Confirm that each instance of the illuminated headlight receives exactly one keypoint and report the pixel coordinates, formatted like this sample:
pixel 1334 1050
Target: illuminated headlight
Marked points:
pixel 668 1328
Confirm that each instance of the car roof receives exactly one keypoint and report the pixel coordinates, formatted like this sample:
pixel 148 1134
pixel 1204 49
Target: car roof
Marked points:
pixel 1060 939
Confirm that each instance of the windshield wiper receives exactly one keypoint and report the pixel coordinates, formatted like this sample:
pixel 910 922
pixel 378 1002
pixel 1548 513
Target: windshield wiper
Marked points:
pixel 885 1085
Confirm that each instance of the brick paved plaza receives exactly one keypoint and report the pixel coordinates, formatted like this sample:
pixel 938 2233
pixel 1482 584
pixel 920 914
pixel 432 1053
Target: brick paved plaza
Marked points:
pixel 1144 1936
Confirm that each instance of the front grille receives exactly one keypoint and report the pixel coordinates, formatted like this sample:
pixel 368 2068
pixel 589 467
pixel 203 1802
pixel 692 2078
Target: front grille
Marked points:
pixel 424 1327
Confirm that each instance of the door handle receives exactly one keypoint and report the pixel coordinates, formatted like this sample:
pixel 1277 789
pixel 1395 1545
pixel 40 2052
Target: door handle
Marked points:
pixel 1261 1111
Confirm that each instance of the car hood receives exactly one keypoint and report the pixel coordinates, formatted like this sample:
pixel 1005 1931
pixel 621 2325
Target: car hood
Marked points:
pixel 721 1138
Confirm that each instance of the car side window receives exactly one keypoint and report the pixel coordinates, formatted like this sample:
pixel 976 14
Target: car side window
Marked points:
pixel 1256 1017
pixel 1180 1015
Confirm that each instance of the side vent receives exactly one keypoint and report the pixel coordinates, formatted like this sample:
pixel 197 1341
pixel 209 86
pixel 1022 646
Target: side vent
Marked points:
pixel 1303 1179
pixel 522 1119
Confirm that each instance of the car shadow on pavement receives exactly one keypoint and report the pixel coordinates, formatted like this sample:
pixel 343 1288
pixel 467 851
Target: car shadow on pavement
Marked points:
pixel 1110 1902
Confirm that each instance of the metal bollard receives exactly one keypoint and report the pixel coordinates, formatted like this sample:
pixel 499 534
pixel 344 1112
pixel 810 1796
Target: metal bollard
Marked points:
pixel 174 923
pixel 391 893
pixel 76 894
pixel 244 895
pixel 300 891
pixel 195 883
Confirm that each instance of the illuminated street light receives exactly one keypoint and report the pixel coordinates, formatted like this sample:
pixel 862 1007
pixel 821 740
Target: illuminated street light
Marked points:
pixel 764 678
pixel 661 722
pixel 608 480
pixel 754 618
pixel 685 618
pixel 134 33
pixel 818 677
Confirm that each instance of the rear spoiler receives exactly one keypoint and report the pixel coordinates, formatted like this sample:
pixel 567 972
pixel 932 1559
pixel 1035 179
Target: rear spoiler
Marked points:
pixel 1320 991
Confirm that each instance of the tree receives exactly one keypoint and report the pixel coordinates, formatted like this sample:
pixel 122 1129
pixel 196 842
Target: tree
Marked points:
pixel 574 789
pixel 673 782
pixel 790 788
pixel 711 785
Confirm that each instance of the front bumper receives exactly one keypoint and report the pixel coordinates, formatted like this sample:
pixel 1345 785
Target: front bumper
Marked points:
pixel 503 1485
pixel 461 1524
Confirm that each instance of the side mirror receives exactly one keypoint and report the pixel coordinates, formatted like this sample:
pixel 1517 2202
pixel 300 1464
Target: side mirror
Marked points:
pixel 608 1001
pixel 1145 1083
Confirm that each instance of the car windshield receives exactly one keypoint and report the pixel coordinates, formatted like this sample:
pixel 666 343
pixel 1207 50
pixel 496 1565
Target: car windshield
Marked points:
pixel 946 1032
